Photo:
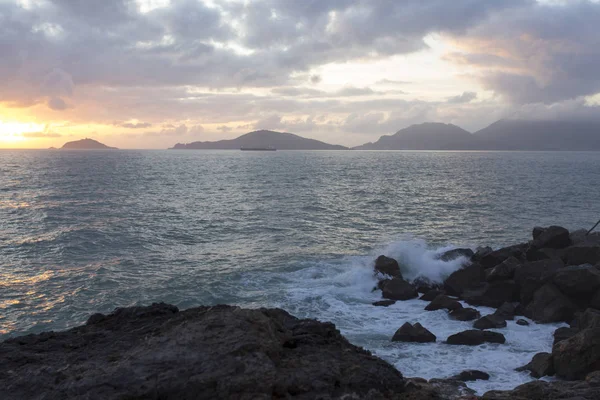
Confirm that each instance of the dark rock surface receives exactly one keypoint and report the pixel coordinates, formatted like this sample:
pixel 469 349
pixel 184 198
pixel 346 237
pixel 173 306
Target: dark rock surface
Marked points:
pixel 218 352
pixel 475 337
pixel 542 364
pixel 553 237
pixel 465 278
pixel 506 311
pixel 541 390
pixel 533 275
pixel 564 333
pixel 577 356
pixel 456 253
pixel 443 302
pixel 471 375
pixel 494 258
pixel 464 314
pixel 588 319
pixel 580 282
pixel 413 333
pixel 492 294
pixel 550 305
pixel 490 322
pixel 432 294
pixel 388 266
pixel 399 289
pixel 503 271
pixel 584 253
pixel 384 303
pixel 522 322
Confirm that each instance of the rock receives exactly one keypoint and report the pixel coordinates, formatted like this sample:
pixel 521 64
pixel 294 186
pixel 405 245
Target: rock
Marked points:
pixel 384 303
pixel 581 237
pixel 443 302
pixel 534 254
pixel 457 253
pixel 432 294
pixel 435 389
pixel 533 275
pixel 399 289
pixel 522 322
pixel 553 237
pixel 582 254
pixel 492 294
pixel 577 356
pixel 475 337
pixel 388 266
pixel 595 301
pixel 424 285
pixel 588 319
pixel 503 271
pixel 481 252
pixel 578 282
pixel 471 375
pixel 550 305
pixel 217 352
pixel 464 314
pixel 465 278
pixel 506 311
pixel 494 258
pixel 542 390
pixel 489 322
pixel 564 333
pixel 542 364
pixel 413 333
pixel 537 231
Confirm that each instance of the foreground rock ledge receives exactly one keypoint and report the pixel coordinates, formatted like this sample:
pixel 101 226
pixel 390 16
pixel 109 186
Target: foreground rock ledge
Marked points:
pixel 220 352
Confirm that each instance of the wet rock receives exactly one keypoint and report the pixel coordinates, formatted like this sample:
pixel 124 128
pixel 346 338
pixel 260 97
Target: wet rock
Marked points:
pixel 489 322
pixel 432 294
pixel 588 319
pixel 464 279
pixel 388 266
pixel 522 322
pixel 464 314
pixel 506 311
pixel 553 237
pixel 541 365
pixel 424 285
pixel 595 301
pixel 217 352
pixel 494 258
pixel 550 305
pixel 435 389
pixel 399 289
pixel 533 275
pixel 413 333
pixel 492 294
pixel 475 337
pixel 481 252
pixel 384 303
pixel 534 254
pixel 542 390
pixel 471 375
pixel 577 356
pixel 503 271
pixel 443 302
pixel 578 282
pixel 582 254
pixel 564 333
pixel 537 231
pixel 456 253
pixel 581 237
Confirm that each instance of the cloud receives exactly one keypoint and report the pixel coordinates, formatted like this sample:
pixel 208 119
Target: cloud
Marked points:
pixel 133 125
pixel 58 104
pixel 224 128
pixel 391 82
pixel 466 97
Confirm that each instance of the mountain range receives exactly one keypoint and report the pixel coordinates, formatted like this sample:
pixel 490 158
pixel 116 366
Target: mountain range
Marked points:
pixel 501 135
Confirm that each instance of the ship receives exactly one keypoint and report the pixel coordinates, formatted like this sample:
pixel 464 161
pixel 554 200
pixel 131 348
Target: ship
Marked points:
pixel 268 148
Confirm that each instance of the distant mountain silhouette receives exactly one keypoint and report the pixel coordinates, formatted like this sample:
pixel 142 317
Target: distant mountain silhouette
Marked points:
pixel 427 136
pixel 86 144
pixel 261 139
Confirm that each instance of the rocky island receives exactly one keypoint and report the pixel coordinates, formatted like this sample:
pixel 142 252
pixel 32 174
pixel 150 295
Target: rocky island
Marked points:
pixel 226 352
pixel 86 144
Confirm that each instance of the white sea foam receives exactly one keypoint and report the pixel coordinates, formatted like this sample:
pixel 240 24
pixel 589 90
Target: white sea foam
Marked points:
pixel 341 292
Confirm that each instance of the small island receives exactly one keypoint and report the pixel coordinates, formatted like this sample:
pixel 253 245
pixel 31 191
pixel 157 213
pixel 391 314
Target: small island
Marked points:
pixel 86 144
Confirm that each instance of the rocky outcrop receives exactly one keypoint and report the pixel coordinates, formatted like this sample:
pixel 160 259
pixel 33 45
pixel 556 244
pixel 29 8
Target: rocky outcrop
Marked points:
pixel 384 303
pixel 490 260
pixel 475 337
pixel 463 279
pixel 490 322
pixel 506 311
pixel 578 282
pixel 413 333
pixel 464 314
pixel 550 305
pixel 457 253
pixel 399 289
pixel 432 294
pixel 584 253
pixel 443 302
pixel 492 294
pixel 218 352
pixel 471 375
pixel 577 356
pixel 388 266
pixel 564 333
pixel 542 364
pixel 589 389
pixel 532 276
pixel 553 237
pixel 503 271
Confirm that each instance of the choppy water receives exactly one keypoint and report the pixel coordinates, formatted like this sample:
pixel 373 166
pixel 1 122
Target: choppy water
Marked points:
pixel 82 232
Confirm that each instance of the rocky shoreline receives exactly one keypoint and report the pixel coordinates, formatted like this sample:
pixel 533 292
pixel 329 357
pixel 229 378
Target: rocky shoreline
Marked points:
pixel 225 352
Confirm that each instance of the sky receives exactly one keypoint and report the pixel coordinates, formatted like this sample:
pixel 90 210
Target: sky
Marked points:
pixel 152 73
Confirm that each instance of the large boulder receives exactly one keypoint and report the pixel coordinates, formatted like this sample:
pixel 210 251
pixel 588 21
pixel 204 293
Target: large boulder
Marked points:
pixel 399 289
pixel 475 337
pixel 456 253
pixel 581 236
pixel 464 314
pixel 471 375
pixel 413 333
pixel 490 260
pixel 443 302
pixel 582 254
pixel 388 266
pixel 506 311
pixel 564 333
pixel 542 364
pixel 503 271
pixel 550 305
pixel 489 322
pixel 533 275
pixel 595 301
pixel 578 282
pixel 577 356
pixel 384 303
pixel 492 294
pixel 217 352
pixel 534 254
pixel 432 294
pixel 463 279
pixel 542 390
pixel 588 319
pixel 553 237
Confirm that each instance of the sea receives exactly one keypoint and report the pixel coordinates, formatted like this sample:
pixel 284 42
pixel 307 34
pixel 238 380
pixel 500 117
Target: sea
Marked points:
pixel 88 231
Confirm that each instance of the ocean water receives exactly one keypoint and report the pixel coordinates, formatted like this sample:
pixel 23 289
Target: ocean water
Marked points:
pixel 88 231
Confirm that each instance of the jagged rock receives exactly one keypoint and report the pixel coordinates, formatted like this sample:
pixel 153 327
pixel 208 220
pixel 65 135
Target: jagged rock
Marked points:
pixel 581 237
pixel 534 254
pixel 424 285
pixel 533 275
pixel 465 278
pixel 582 254
pixel 443 302
pixel 413 333
pixel 542 390
pixel 553 237
pixel 494 258
pixel 522 322
pixel 384 303
pixel 503 271
pixel 577 356
pixel 435 389
pixel 492 294
pixel 578 282
pixel 399 289
pixel 471 375
pixel 537 231
pixel 432 294
pixel 456 253
pixel 464 314
pixel 588 319
pixel 506 311
pixel 218 352
pixel 550 305
pixel 564 333
pixel 489 322
pixel 481 252
pixel 388 266
pixel 475 337
pixel 542 364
